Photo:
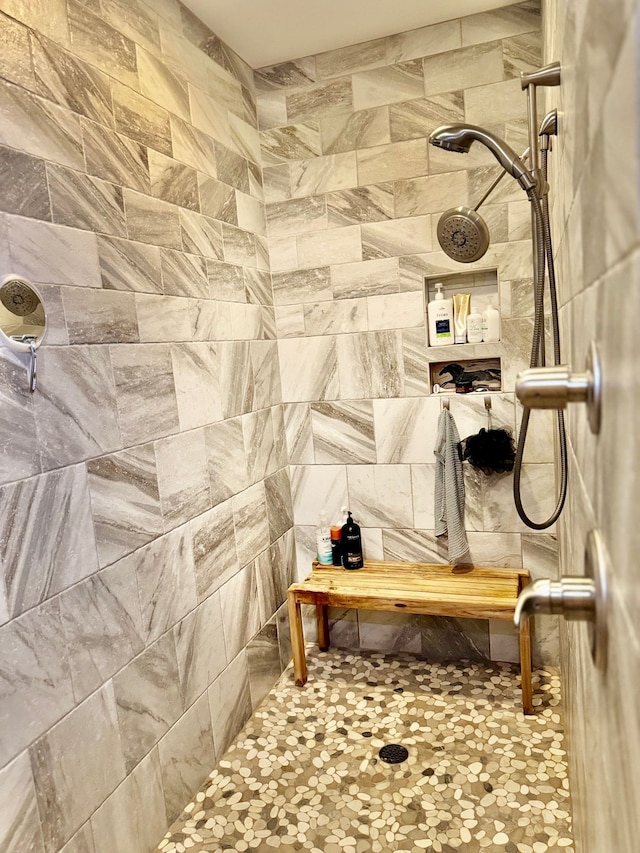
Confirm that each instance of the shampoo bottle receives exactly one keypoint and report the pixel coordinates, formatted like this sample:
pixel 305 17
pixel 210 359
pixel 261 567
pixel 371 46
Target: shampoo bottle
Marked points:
pixel 323 539
pixel 440 313
pixel 474 327
pixel 491 323
pixel 351 545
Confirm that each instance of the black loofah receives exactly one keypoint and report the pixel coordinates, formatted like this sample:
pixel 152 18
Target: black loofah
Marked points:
pixel 491 450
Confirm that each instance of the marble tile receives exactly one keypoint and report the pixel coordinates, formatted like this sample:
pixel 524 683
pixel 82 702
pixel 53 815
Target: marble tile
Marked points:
pixel 115 158
pixel 406 429
pixel 182 477
pixel 173 182
pixel 75 405
pixel 251 527
pixel 96 316
pixel 209 116
pixel 226 281
pixel 259 444
pixel 431 194
pixel 494 102
pixel 196 381
pixel 412 545
pixel 283 253
pixel 186 757
pixel 133 817
pixel 76 765
pixel 258 288
pixel 540 556
pixel 317 488
pixel 152 221
pixel 69 81
pixel 236 378
pixel 35 678
pixel 330 318
pixel 251 213
pixel 263 660
pixel 82 841
pixel 396 237
pixel 16 65
pixel 214 549
pixel 217 200
pixel 23 185
pixel 370 365
pixel 226 457
pixel 183 274
pixel 396 311
pixel 160 84
pixel 390 632
pixel 244 139
pixel 297 216
pixel 20 824
pixel 144 372
pixel 346 60
pixel 323 174
pixel 200 649
pixel 446 639
pixel 279 506
pixel 125 502
pixel 374 203
pixel 98 43
pixel 230 702
pixel 147 693
pixel 239 246
pixel 500 23
pixel 343 432
pixel 415 119
pixel 39 127
pixel 232 168
pixel 311 285
pixel 163 318
pixel 462 69
pixel 50 253
pixel 125 265
pixel 392 162
pixel 272 110
pixel 367 278
pixel 277 417
pixel 276 183
pixel 299 436
pixel 424 41
pixel 298 72
pixel 141 119
pixel 19 456
pixel 334 246
pixel 193 146
pixel 82 201
pixel 68 552
pixel 309 369
pixel 320 101
pixel 522 53
pixel 266 373
pixel 38 15
pixel 388 85
pixel 291 142
pixel 240 610
pixel 380 495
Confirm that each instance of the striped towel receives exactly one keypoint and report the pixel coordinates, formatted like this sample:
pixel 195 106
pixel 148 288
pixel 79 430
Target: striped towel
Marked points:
pixel 449 491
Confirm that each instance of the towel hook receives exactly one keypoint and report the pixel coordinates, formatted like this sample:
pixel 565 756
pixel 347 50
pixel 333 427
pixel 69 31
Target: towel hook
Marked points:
pixel 487 405
pixel 445 403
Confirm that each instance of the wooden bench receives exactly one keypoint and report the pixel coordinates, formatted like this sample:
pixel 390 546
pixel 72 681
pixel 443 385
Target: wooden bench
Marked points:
pixel 434 590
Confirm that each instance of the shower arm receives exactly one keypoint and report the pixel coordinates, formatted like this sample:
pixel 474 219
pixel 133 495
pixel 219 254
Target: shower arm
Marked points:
pixel 523 156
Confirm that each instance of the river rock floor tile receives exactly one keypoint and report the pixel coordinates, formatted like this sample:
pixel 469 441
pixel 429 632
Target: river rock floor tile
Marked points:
pixel 304 773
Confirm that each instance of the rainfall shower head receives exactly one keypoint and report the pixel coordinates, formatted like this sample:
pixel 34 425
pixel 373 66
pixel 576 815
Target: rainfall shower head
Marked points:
pixel 460 138
pixel 463 234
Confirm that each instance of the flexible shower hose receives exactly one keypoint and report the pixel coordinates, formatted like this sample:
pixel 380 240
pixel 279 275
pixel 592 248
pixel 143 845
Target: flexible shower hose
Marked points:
pixel 544 251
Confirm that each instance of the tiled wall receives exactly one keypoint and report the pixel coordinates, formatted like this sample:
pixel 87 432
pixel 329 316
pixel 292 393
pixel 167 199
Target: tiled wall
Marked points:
pixel 596 225
pixel 354 193
pixel 145 510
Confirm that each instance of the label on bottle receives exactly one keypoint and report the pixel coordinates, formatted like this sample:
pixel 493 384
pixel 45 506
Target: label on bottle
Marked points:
pixel 324 548
pixel 443 329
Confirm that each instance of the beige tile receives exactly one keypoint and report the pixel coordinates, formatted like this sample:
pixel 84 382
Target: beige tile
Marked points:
pixel 396 237
pixel 431 194
pixel 323 174
pixel 351 131
pixel 387 85
pixel 347 60
pixel 424 41
pixel 500 23
pixel 396 311
pixel 392 162
pixel 339 317
pixel 335 246
pixel 367 278
pixel 494 102
pixel 461 69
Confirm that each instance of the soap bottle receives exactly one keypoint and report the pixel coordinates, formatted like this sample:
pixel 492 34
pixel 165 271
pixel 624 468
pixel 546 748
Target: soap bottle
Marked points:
pixel 474 327
pixel 336 545
pixel 351 544
pixel 491 323
pixel 440 314
pixel 323 539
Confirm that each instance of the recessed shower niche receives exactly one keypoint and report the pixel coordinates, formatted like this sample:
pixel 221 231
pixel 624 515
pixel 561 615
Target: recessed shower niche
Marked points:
pixel 466 366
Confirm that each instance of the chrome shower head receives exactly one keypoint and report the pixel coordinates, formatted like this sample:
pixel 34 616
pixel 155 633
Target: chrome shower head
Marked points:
pixel 460 138
pixel 463 234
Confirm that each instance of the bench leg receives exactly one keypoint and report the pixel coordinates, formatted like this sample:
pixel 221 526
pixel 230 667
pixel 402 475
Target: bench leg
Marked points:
pixel 322 612
pixel 297 640
pixel 525 667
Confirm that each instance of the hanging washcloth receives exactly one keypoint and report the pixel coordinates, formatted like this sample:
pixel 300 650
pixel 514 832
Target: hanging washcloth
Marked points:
pixel 449 491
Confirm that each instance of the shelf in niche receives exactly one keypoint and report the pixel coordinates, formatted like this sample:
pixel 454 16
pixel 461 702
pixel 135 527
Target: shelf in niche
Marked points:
pixel 488 372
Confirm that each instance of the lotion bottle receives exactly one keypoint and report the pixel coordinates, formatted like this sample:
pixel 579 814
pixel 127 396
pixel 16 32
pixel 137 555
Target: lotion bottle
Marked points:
pixel 474 327
pixel 323 540
pixel 491 323
pixel 440 314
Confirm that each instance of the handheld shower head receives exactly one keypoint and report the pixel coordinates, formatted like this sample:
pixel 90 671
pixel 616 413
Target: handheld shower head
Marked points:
pixel 460 138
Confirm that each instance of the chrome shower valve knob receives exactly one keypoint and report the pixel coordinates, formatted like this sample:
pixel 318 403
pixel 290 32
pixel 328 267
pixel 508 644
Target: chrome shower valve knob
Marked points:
pixel 555 387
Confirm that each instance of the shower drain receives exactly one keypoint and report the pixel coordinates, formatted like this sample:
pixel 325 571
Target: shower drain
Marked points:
pixel 393 753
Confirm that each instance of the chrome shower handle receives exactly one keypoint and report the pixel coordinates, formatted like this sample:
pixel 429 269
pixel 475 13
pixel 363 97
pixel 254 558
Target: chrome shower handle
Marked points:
pixel 575 598
pixel 555 387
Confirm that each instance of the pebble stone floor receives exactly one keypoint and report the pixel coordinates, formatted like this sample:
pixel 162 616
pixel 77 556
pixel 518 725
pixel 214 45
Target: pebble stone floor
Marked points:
pixel 304 773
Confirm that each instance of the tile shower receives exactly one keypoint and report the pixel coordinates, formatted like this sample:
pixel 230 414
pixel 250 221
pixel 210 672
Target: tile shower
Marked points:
pixel 232 265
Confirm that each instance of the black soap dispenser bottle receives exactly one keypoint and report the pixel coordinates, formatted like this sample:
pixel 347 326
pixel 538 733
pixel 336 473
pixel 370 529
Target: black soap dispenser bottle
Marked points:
pixel 351 544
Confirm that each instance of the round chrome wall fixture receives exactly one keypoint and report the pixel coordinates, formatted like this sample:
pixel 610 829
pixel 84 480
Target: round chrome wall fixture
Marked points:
pixel 463 234
pixel 595 568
